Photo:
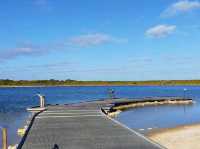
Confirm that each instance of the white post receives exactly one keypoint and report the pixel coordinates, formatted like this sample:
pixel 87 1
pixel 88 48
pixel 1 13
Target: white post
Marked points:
pixel 42 100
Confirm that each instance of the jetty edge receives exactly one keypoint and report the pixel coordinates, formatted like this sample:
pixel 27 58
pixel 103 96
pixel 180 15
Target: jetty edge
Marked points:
pixel 82 125
pixel 120 106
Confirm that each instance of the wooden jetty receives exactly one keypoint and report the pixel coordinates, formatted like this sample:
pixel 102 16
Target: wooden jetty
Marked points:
pixel 81 126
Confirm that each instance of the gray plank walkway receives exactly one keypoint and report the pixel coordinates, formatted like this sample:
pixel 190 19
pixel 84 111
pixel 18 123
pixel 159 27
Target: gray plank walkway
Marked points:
pixel 82 127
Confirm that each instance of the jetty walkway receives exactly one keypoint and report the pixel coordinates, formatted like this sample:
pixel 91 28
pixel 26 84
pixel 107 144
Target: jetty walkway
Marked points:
pixel 81 126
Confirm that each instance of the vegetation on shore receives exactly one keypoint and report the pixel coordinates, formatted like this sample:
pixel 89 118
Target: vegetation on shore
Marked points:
pixel 52 82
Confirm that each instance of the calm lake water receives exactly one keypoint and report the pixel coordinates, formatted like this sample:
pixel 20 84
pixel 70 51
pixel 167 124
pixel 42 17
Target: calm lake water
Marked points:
pixel 14 101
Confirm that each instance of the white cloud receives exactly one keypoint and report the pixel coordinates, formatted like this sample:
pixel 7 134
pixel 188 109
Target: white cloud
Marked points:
pixel 22 50
pixel 28 49
pixel 93 39
pixel 160 31
pixel 181 7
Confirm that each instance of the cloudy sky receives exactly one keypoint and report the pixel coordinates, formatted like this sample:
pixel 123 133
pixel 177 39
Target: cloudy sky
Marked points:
pixel 100 39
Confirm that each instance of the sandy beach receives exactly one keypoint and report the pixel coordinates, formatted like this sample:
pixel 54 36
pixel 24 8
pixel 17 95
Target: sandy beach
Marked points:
pixel 181 137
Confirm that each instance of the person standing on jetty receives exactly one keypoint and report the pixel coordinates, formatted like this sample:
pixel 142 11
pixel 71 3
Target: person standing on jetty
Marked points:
pixel 111 93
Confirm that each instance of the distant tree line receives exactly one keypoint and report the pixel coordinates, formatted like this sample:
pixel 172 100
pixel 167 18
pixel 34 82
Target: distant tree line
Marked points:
pixel 53 82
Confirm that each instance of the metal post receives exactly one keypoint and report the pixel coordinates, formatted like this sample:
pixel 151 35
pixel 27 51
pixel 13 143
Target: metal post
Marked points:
pixel 184 93
pixel 42 100
pixel 4 138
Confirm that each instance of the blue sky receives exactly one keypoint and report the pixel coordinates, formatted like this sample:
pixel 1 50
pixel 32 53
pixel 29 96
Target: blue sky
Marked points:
pixel 100 39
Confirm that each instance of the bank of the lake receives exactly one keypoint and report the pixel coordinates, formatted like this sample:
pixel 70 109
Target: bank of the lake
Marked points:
pixel 184 137
pixel 69 82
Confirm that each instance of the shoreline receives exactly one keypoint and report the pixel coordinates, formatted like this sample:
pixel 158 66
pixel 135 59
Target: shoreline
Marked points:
pixel 182 136
pixel 70 82
pixel 93 85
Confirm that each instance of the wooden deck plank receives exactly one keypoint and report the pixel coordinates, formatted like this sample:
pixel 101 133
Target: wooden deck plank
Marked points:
pixel 73 128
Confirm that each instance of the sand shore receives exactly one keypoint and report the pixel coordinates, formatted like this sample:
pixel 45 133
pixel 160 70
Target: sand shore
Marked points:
pixel 181 137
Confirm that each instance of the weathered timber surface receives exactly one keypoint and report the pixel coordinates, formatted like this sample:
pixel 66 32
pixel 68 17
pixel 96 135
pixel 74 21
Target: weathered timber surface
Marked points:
pixel 81 126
